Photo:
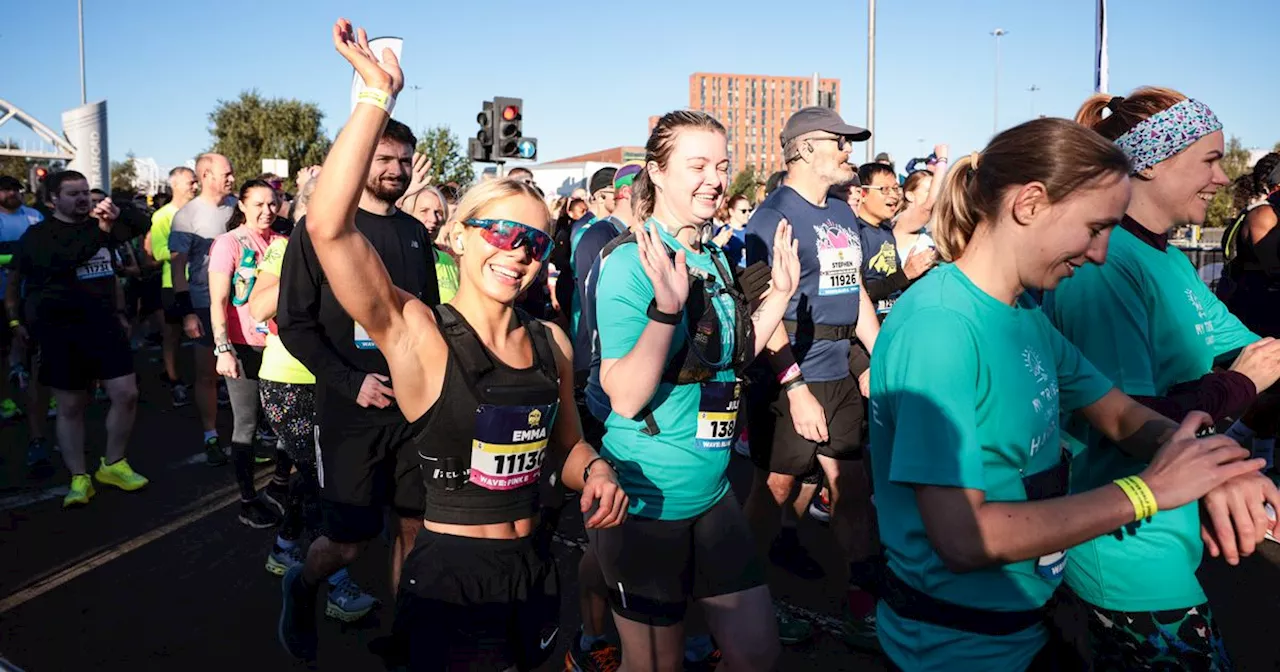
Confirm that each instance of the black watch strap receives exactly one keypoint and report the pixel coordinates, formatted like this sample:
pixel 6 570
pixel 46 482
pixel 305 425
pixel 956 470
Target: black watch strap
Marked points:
pixel 660 317
pixel 586 471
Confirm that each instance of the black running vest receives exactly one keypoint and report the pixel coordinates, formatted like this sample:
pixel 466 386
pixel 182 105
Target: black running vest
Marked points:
pixel 482 445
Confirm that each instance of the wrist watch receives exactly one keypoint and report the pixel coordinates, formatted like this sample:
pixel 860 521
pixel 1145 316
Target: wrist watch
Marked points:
pixel 221 348
pixel 586 471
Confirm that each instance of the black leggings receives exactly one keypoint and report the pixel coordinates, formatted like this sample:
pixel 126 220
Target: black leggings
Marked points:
pixel 291 409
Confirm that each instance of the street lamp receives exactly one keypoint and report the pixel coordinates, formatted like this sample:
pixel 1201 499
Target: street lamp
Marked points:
pixel 871 78
pixel 995 124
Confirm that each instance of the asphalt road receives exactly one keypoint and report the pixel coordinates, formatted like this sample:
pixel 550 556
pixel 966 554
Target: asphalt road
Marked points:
pixel 167 579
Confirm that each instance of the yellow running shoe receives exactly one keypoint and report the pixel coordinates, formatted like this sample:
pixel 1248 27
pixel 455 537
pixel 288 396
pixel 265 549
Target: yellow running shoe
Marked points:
pixel 80 492
pixel 120 475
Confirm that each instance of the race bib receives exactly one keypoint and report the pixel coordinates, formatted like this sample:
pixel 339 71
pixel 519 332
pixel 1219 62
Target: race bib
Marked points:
pixel 838 272
pixel 509 445
pixel 1048 484
pixel 718 416
pixel 362 340
pixel 98 266
pixel 883 306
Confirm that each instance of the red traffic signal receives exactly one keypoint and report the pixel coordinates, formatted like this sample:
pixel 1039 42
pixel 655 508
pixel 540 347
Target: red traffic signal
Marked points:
pixel 41 173
pixel 510 113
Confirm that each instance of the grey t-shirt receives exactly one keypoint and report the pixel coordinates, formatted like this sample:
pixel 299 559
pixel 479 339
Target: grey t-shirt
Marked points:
pixel 194 228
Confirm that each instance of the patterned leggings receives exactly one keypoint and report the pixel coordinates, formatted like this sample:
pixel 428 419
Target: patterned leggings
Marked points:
pixel 1182 640
pixel 291 410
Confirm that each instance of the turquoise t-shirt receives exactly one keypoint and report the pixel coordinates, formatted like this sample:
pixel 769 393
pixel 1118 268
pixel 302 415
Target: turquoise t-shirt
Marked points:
pixel 1147 321
pixel 966 392
pixel 680 473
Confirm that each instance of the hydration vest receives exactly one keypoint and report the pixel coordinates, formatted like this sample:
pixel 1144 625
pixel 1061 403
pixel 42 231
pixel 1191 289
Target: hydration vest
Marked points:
pixel 482 446
pixel 689 364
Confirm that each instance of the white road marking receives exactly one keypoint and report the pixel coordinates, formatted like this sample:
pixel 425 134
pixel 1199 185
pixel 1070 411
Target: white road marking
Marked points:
pixel 214 501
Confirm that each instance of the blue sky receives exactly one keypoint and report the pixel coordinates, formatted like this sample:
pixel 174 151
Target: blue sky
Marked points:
pixel 591 73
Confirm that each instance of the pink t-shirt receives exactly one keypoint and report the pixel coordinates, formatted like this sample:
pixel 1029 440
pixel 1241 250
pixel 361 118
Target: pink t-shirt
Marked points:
pixel 229 255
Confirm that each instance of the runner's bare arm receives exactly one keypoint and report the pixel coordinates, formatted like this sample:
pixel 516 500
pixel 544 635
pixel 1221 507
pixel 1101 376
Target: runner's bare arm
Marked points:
pixel 265 297
pixel 356 274
pixel 219 296
pixel 868 327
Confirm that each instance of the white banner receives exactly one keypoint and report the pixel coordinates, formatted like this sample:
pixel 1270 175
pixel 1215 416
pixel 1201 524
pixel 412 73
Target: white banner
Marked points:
pixel 1101 66
pixel 86 130
pixel 395 44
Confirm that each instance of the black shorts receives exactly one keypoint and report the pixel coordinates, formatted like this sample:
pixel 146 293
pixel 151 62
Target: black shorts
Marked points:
pixel 171 314
pixel 477 604
pixel 143 296
pixel 73 356
pixel 778 449
pixel 654 567
pixel 364 468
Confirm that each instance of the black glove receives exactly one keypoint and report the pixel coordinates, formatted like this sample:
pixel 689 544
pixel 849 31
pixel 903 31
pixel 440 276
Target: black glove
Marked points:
pixel 754 280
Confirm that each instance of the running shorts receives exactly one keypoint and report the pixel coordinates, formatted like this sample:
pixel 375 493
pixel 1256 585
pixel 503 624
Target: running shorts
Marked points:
pixel 363 468
pixel 778 449
pixel 73 356
pixel 478 604
pixel 654 567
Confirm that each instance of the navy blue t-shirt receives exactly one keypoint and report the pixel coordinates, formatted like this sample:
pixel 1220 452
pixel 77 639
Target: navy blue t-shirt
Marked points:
pixel 830 255
pixel 881 254
pixel 584 256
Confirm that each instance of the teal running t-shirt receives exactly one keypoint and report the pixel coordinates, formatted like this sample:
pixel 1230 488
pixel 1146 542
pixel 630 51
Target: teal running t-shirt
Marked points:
pixel 1147 321
pixel 966 392
pixel 680 473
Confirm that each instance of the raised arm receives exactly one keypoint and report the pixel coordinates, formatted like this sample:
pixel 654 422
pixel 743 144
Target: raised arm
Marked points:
pixel 356 274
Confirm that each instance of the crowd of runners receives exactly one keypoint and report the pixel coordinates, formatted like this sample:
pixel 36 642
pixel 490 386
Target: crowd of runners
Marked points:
pixel 993 378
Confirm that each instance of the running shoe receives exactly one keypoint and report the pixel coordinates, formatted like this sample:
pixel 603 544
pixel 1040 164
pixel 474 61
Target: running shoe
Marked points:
pixel 789 554
pixel 79 493
pixel 39 463
pixel 861 633
pixel 820 507
pixel 181 397
pixel 276 496
pixel 297 626
pixel 9 410
pixel 120 475
pixel 347 602
pixel 793 630
pixel 711 662
pixel 257 515
pixel 53 407
pixel 604 656
pixel 281 560
pixel 214 455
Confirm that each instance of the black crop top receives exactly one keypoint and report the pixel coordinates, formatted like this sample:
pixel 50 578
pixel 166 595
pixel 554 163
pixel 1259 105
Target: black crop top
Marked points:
pixel 482 445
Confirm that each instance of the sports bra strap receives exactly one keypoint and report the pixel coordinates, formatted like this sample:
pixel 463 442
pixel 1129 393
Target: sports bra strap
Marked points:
pixel 542 349
pixel 462 343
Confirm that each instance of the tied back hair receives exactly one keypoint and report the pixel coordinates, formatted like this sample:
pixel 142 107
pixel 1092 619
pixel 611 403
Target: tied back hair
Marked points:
pixel 480 197
pixel 658 149
pixel 237 215
pixel 1061 155
pixel 1126 112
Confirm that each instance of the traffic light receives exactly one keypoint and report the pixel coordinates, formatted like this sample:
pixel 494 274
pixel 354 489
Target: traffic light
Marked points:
pixel 35 178
pixel 481 146
pixel 510 142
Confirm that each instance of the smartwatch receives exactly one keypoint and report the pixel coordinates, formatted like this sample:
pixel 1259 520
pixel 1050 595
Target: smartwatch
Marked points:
pixel 224 347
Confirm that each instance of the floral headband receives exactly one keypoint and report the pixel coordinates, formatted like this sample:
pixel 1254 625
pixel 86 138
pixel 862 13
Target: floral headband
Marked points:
pixel 1167 132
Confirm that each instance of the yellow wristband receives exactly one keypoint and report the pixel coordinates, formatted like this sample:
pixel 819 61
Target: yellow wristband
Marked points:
pixel 13 323
pixel 1140 495
pixel 377 98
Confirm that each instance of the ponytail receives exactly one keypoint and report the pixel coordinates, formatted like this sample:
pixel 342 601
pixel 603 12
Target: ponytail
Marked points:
pixel 1090 113
pixel 642 195
pixel 955 217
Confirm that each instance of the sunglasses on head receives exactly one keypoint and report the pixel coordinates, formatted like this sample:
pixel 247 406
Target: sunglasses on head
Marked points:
pixel 505 234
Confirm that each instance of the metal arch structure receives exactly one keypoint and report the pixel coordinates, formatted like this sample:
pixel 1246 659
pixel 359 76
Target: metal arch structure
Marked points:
pixel 65 150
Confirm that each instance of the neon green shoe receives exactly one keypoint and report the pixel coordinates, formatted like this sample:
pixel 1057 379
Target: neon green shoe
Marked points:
pixel 9 410
pixel 80 492
pixel 120 475
pixel 53 407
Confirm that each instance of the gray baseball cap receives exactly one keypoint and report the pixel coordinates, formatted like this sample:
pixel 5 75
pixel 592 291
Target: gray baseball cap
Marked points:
pixel 812 119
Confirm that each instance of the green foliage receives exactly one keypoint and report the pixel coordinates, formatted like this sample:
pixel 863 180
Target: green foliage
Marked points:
pixel 254 128
pixel 745 183
pixel 1235 162
pixel 13 166
pixel 123 174
pixel 448 162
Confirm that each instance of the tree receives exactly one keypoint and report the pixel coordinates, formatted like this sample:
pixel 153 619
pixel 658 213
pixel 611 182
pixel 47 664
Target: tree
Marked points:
pixel 1235 162
pixel 448 164
pixel 254 128
pixel 124 174
pixel 745 183
pixel 13 166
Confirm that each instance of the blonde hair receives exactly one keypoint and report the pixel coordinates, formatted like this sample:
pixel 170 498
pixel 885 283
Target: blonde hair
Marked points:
pixel 483 195
pixel 657 151
pixel 1062 155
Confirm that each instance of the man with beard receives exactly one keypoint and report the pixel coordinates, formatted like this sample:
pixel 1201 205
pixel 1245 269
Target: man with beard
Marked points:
pixel 366 460
pixel 74 310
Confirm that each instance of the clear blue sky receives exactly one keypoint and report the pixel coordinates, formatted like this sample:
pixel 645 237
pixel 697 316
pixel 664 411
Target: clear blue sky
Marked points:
pixel 591 73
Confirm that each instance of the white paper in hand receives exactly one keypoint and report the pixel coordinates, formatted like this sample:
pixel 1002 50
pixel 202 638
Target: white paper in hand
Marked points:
pixel 395 44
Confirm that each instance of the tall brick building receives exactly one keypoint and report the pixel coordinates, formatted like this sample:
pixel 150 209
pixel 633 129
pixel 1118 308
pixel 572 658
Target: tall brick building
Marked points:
pixel 754 109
